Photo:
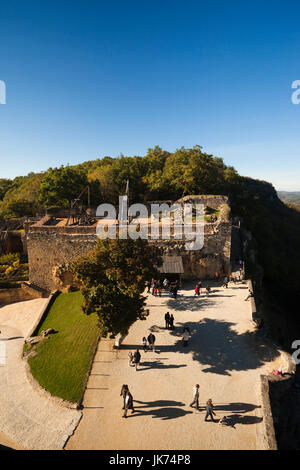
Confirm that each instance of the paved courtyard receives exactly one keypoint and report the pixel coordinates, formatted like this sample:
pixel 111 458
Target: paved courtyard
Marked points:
pixel 224 356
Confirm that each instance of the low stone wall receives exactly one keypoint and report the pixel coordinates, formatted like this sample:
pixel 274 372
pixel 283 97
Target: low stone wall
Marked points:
pixel 271 389
pixel 19 294
pixel 35 328
pixel 265 432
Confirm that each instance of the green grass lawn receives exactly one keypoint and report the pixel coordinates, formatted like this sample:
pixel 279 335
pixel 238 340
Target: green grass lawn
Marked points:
pixel 63 360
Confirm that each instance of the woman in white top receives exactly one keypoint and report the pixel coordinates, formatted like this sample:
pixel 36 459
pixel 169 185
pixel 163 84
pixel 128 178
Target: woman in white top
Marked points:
pixel 185 337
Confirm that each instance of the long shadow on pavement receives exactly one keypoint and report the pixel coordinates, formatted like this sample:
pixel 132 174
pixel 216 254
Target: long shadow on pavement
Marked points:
pixel 163 409
pixel 232 420
pixel 159 365
pixel 236 407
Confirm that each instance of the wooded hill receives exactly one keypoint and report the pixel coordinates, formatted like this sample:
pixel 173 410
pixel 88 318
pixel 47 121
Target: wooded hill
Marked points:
pixel 271 228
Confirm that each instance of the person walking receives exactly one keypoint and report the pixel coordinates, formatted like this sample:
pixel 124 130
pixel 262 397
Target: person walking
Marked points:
pixel 153 285
pixel 144 343
pixel 130 354
pixel 185 337
pixel 250 294
pixel 128 404
pixel 175 290
pixel 124 390
pixel 196 290
pixel 196 397
pixel 136 358
pixel 199 287
pixel 171 321
pixel 209 410
pixel 167 319
pixel 151 341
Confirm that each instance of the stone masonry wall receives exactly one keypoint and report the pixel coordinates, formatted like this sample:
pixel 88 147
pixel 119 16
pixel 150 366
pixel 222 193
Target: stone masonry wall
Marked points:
pixel 50 248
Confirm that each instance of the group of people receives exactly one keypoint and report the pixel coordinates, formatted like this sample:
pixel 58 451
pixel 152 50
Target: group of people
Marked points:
pixel 128 402
pixel 209 404
pixel 225 282
pixel 169 321
pixel 198 288
pixel 134 358
pixel 148 344
pixel 156 287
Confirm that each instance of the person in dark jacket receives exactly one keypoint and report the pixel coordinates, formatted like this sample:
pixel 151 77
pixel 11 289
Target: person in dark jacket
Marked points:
pixel 136 358
pixel 124 390
pixel 167 319
pixel 151 341
pixel 128 404
pixel 209 410
pixel 171 321
pixel 175 290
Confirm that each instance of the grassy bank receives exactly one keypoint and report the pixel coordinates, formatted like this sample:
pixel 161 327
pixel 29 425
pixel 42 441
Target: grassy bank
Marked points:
pixel 63 360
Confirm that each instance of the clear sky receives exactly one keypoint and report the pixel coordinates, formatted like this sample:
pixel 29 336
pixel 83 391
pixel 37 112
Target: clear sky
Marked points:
pixel 89 78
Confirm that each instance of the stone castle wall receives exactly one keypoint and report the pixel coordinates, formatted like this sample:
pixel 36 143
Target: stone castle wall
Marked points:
pixel 213 258
pixel 52 246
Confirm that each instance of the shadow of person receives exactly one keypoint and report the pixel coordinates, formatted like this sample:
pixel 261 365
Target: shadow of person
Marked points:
pixel 12 338
pixel 153 404
pixel 232 420
pixel 159 365
pixel 163 409
pixel 162 413
pixel 236 407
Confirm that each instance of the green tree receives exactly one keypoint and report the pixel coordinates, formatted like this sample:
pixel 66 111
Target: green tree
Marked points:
pixel 113 279
pixel 5 185
pixel 22 197
pixel 61 185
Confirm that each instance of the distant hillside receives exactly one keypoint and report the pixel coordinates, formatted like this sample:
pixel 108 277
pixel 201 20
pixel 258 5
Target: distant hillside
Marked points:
pixel 289 197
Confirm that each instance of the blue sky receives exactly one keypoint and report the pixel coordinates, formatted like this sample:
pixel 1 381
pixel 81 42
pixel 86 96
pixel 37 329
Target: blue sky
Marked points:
pixel 88 78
